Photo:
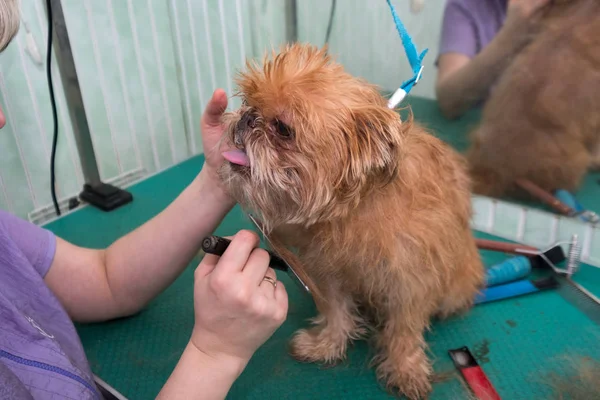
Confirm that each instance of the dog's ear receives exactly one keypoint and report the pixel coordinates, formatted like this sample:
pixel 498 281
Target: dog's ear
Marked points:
pixel 374 148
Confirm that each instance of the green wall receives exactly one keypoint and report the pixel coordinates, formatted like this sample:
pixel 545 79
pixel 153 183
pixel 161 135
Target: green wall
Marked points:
pixel 147 68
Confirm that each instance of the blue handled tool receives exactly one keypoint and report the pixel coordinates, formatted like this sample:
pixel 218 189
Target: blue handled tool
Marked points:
pixel 513 269
pixel 507 271
pixel 515 289
pixel 519 267
pixel 579 211
pixel 568 199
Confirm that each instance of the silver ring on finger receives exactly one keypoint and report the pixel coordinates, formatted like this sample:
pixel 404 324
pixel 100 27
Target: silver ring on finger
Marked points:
pixel 271 281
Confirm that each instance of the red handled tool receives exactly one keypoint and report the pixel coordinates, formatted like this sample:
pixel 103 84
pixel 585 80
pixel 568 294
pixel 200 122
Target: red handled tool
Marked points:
pixel 476 379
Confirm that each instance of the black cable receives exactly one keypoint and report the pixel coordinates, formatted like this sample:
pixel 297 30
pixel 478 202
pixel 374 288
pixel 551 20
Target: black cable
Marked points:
pixel 330 23
pixel 54 113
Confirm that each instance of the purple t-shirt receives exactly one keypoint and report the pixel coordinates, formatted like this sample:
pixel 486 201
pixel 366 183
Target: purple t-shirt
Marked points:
pixel 41 356
pixel 469 25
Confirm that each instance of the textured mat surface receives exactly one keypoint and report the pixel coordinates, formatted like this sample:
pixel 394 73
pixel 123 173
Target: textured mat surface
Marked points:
pixel 517 342
pixel 457 134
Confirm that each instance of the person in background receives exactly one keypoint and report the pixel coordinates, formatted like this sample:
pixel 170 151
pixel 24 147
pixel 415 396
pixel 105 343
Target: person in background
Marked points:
pixel 479 38
pixel 46 283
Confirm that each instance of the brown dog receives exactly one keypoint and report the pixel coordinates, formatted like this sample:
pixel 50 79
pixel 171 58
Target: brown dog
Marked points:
pixel 542 122
pixel 377 209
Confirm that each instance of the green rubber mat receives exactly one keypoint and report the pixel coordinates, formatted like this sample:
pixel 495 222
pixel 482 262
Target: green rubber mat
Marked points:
pixel 519 343
pixel 457 132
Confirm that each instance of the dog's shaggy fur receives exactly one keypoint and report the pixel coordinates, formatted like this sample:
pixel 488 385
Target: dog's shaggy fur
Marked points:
pixel 377 209
pixel 542 122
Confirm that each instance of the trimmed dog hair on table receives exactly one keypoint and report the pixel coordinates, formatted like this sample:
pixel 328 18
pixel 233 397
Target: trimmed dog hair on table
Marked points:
pixel 542 122
pixel 376 208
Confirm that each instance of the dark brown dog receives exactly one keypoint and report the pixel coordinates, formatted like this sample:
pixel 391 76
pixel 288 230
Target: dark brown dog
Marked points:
pixel 542 122
pixel 378 209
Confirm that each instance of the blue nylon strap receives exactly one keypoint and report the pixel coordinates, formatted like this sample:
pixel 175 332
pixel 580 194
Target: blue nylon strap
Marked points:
pixel 414 58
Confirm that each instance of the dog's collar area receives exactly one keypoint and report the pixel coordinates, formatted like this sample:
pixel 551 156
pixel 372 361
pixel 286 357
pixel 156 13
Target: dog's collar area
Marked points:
pixel 415 59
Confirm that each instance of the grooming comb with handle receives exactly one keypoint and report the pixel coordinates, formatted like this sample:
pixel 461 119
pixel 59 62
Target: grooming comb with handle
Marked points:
pixel 573 291
pixel 561 201
pixel 299 280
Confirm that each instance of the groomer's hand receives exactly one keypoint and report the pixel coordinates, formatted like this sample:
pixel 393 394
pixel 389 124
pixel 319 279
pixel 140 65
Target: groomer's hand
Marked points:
pixel 212 130
pixel 522 17
pixel 236 309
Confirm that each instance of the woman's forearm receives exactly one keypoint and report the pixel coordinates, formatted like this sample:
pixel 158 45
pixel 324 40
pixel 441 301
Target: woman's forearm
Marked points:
pixel 143 263
pixel 200 376
pixel 458 90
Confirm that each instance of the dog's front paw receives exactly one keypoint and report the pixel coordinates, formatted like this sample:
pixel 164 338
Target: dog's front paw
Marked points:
pixel 316 345
pixel 412 380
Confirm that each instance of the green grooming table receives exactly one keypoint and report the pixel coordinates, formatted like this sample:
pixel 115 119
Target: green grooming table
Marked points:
pixel 518 342
pixel 457 132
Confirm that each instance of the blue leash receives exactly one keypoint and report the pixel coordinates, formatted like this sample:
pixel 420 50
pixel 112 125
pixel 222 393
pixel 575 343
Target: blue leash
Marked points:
pixel 414 58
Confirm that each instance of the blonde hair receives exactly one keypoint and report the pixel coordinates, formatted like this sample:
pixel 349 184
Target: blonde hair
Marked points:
pixel 10 19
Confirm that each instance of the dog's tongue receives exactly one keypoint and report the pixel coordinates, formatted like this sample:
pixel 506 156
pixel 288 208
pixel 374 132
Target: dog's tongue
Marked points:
pixel 238 157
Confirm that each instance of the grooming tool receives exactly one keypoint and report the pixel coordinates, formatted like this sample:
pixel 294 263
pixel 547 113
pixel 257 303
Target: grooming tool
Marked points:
pixel 513 248
pixel 553 256
pixel 519 267
pixel 515 289
pixel 473 374
pixel 108 392
pixel 544 196
pixel 537 258
pixel 555 203
pixel 217 245
pixel 568 199
pixel 289 268
pixel 573 263
pixel 513 269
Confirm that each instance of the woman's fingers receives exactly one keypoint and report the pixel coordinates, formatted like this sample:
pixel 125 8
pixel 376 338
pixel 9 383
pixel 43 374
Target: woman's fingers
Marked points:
pixel 215 108
pixel 269 283
pixel 207 265
pixel 257 266
pixel 281 298
pixel 238 253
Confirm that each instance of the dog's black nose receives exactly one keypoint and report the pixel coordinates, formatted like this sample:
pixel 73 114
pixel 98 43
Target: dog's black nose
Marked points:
pixel 246 122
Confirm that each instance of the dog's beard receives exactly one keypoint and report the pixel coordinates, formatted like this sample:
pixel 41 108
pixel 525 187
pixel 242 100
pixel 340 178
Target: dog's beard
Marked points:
pixel 272 207
pixel 269 186
pixel 280 185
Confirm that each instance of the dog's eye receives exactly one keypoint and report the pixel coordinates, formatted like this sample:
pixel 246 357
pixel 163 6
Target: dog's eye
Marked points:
pixel 283 130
